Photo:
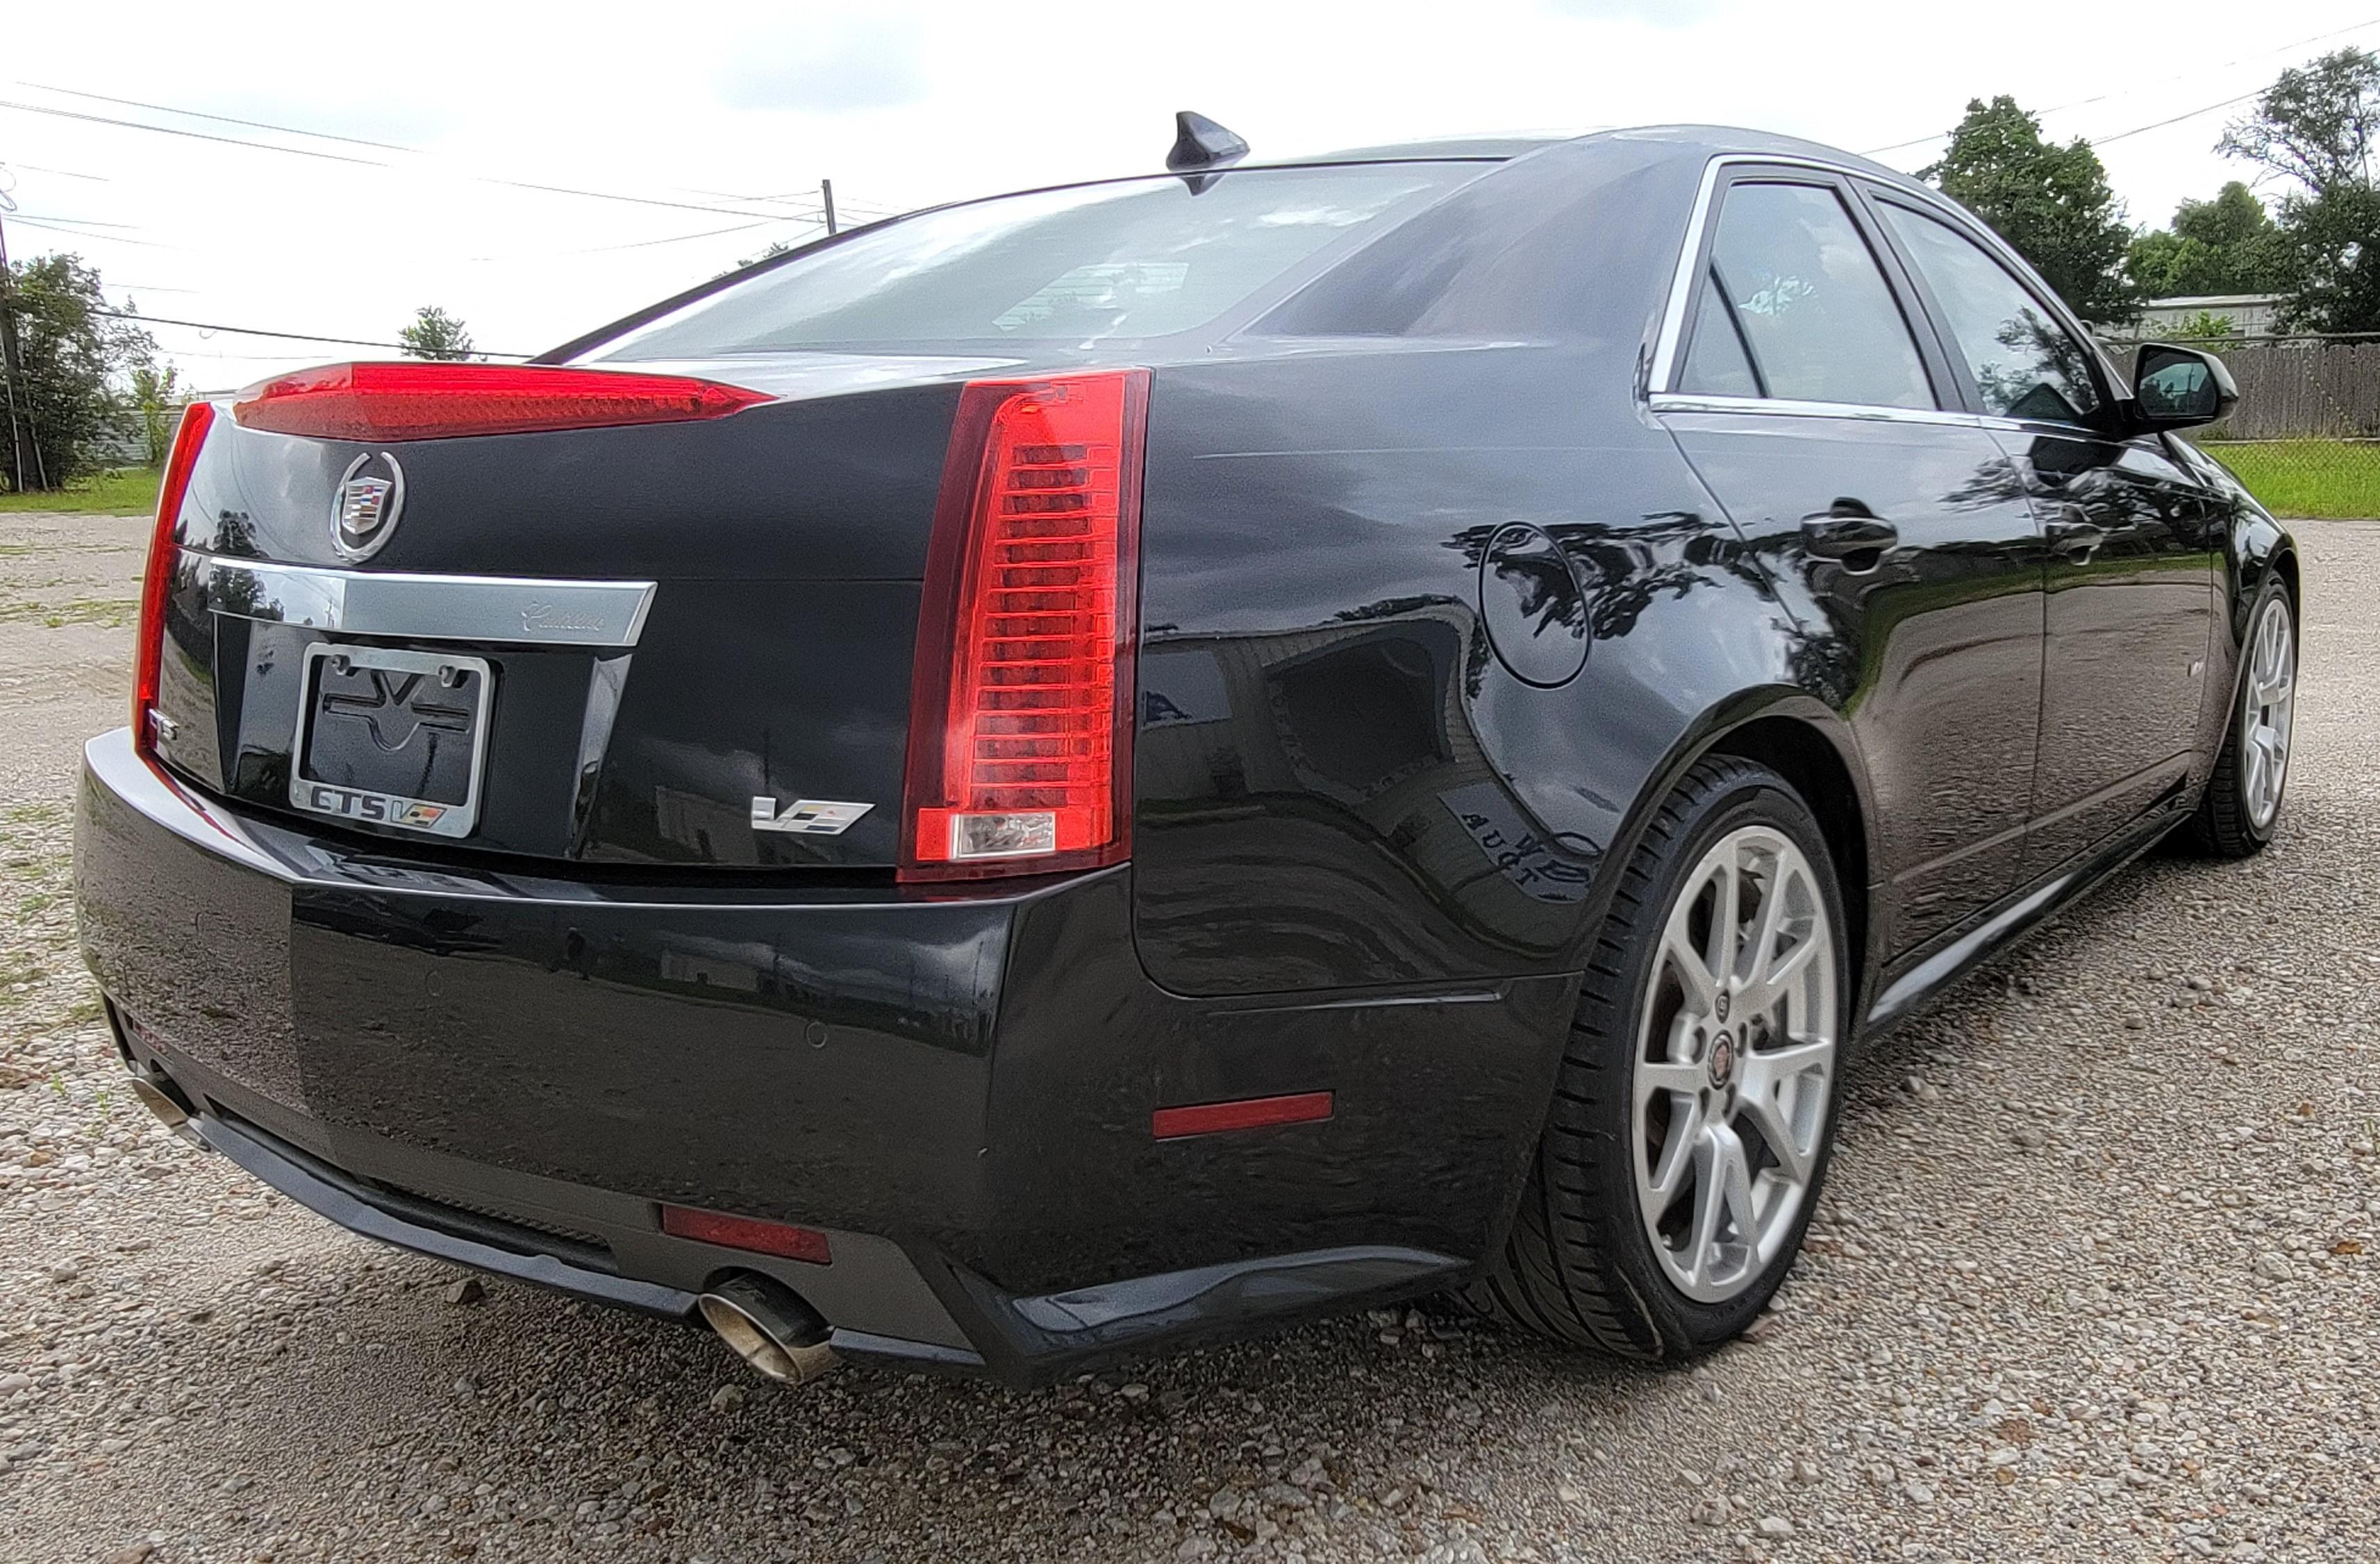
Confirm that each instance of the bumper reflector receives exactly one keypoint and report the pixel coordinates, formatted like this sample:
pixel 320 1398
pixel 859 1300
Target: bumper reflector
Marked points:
pixel 1244 1113
pixel 747 1233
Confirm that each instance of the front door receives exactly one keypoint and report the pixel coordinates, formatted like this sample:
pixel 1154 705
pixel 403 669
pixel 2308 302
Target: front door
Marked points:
pixel 1897 531
pixel 2131 548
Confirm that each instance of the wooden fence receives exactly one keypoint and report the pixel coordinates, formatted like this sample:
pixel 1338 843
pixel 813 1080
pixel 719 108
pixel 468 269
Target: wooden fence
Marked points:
pixel 2297 389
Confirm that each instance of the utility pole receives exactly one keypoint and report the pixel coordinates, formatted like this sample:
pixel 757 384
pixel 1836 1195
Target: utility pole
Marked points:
pixel 12 369
pixel 826 192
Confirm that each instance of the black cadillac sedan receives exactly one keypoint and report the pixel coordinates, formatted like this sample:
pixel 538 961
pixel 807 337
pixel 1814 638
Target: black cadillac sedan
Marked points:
pixel 1081 772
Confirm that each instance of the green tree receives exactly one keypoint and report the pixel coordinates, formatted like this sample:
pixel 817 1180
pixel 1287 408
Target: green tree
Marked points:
pixel 2316 127
pixel 2316 123
pixel 156 394
pixel 2227 245
pixel 2052 203
pixel 775 249
pixel 435 334
pixel 2331 250
pixel 70 359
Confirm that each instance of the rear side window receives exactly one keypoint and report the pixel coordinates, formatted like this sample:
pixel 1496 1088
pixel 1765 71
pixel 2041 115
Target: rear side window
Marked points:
pixel 1809 303
pixel 2025 364
pixel 1136 258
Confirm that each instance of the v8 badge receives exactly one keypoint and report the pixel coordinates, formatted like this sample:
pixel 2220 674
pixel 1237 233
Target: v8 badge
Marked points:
pixel 806 816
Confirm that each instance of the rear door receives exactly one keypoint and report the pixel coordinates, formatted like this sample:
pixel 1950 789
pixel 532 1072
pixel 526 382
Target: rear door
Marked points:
pixel 1813 400
pixel 2131 533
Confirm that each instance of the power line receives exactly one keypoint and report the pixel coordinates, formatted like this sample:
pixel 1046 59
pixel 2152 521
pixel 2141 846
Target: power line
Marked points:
pixel 2110 97
pixel 81 222
pixel 340 157
pixel 645 243
pixel 104 238
pixel 193 135
pixel 290 336
pixel 2177 119
pixel 218 118
pixel 63 173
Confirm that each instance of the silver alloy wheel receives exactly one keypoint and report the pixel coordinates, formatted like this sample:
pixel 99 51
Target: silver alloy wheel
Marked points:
pixel 1734 1064
pixel 2268 709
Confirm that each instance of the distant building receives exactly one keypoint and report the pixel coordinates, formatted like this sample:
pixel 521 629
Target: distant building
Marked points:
pixel 2247 314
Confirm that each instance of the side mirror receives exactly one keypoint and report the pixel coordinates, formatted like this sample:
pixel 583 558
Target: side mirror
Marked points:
pixel 2180 387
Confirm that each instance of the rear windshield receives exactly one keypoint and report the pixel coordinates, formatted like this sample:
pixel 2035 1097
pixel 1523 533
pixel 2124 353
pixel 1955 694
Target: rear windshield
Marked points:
pixel 1137 258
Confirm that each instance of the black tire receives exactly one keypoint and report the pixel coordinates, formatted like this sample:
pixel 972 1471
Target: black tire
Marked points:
pixel 2224 826
pixel 1579 1266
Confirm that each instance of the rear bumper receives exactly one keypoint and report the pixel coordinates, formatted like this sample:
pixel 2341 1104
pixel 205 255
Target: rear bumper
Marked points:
pixel 510 1072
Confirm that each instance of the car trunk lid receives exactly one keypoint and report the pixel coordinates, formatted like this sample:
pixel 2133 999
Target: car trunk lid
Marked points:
pixel 683 642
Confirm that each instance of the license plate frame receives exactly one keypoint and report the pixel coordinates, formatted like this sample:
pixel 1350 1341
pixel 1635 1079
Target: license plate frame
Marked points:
pixel 343 799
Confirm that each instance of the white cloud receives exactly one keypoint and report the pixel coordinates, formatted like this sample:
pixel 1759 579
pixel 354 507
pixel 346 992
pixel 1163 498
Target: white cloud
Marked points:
pixel 827 65
pixel 1660 13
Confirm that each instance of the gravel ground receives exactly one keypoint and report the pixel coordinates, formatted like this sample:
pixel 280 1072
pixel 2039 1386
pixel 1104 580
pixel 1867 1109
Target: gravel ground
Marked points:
pixel 2095 1278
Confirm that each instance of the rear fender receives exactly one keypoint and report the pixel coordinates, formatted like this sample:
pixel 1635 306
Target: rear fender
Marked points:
pixel 1808 743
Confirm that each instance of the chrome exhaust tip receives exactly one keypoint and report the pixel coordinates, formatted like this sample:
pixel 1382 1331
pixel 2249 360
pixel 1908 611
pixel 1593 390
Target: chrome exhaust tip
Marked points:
pixel 766 1324
pixel 169 1112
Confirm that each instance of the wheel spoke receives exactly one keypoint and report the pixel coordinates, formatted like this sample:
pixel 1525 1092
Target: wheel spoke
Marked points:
pixel 1726 911
pixel 1760 948
pixel 1722 1192
pixel 1694 974
pixel 1766 1069
pixel 1711 1201
pixel 1686 1135
pixel 1767 1114
pixel 1736 1186
pixel 1677 1076
pixel 1765 996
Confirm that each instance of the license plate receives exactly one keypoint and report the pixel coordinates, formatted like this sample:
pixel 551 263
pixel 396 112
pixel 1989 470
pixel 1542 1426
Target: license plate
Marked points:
pixel 391 738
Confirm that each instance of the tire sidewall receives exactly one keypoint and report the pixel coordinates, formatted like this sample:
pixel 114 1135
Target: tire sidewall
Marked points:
pixel 1752 796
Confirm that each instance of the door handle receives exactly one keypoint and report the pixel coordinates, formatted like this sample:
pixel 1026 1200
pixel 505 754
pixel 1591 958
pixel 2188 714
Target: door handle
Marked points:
pixel 1849 531
pixel 2076 540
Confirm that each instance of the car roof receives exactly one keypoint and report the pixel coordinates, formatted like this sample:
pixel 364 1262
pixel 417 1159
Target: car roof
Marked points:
pixel 1698 141
pixel 1490 148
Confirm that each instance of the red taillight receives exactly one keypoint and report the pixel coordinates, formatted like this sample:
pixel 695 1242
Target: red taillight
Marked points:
pixel 156 581
pixel 1242 1113
pixel 1020 724
pixel 438 401
pixel 747 1233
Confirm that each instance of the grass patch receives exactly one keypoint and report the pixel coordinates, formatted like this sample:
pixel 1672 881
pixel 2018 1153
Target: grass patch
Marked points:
pixel 127 491
pixel 113 612
pixel 2335 479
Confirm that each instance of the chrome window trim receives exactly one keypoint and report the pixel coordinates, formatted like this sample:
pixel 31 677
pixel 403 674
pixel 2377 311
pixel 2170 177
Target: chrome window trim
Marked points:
pixel 1691 402
pixel 1660 381
pixel 519 611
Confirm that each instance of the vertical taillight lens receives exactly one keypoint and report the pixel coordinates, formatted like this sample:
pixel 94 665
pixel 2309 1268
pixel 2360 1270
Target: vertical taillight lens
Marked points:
pixel 1020 731
pixel 157 581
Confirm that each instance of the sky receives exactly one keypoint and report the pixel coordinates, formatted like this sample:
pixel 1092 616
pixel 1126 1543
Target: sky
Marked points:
pixel 693 136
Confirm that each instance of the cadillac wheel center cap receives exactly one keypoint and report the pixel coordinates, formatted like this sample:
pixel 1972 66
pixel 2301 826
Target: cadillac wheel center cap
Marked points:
pixel 1722 1059
pixel 364 511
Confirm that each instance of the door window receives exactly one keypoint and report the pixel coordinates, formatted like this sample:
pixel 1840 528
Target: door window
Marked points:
pixel 2025 364
pixel 1811 310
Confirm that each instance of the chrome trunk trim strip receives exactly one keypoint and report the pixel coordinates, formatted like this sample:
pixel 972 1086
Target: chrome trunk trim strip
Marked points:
pixel 509 609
